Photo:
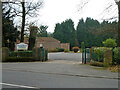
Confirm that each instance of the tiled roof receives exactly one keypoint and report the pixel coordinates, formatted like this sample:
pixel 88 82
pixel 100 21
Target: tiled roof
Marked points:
pixel 47 39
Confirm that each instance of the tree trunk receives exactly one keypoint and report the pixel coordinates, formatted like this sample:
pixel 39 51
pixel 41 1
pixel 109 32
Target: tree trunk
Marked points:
pixel 119 25
pixel 23 20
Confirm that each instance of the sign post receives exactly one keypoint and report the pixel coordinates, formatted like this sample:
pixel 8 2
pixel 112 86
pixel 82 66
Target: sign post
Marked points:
pixel 22 46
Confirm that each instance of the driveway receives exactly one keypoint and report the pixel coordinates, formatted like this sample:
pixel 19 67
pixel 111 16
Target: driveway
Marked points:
pixel 77 57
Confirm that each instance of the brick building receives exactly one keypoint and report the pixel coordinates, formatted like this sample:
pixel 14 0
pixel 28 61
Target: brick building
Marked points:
pixel 48 43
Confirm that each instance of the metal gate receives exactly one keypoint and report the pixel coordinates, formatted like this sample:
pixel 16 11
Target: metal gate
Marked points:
pixel 86 55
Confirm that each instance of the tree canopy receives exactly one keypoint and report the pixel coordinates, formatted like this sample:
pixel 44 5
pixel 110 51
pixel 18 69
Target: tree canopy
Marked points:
pixel 65 32
pixel 89 31
pixel 42 31
pixel 9 32
pixel 93 33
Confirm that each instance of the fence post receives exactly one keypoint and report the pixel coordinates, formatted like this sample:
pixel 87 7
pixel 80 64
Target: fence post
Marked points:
pixel 46 55
pixel 85 57
pixel 42 54
pixel 113 56
pixel 82 56
pixel 39 54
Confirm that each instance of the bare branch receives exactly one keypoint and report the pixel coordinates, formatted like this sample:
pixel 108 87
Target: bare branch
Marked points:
pixel 115 17
pixel 33 7
pixel 82 4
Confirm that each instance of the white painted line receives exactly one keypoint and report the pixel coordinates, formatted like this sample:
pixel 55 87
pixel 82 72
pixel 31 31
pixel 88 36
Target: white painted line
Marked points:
pixel 14 85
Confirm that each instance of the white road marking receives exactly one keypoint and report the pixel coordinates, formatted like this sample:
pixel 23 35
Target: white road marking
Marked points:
pixel 15 85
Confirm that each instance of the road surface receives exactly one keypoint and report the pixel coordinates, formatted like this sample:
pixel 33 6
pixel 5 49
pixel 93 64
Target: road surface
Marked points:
pixel 56 74
pixel 21 79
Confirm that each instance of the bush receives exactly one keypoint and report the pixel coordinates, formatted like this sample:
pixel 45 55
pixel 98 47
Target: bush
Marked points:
pixel 56 50
pixel 110 43
pixel 20 54
pixel 116 55
pixel 98 53
pixel 95 63
pixel 60 49
pixel 75 49
pixel 19 59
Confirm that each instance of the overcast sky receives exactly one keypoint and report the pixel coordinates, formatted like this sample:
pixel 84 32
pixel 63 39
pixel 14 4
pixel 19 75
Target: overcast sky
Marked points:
pixel 57 11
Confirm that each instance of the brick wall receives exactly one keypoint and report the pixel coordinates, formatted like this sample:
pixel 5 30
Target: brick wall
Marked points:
pixel 65 46
pixel 48 45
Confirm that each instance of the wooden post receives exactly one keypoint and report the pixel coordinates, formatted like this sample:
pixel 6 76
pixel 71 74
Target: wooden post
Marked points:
pixel 46 55
pixel 85 56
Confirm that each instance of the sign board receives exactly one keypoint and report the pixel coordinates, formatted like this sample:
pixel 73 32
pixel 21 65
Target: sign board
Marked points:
pixel 41 45
pixel 22 46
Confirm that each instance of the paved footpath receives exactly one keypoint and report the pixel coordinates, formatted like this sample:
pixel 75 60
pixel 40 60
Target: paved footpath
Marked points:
pixel 61 67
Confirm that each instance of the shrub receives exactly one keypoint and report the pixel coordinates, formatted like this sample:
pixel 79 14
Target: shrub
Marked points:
pixel 60 49
pixel 20 54
pixel 19 59
pixel 56 50
pixel 116 55
pixel 110 43
pixel 98 53
pixel 75 49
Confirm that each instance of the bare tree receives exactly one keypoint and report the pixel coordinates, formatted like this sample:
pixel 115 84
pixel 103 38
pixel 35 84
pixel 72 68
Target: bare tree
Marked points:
pixel 24 9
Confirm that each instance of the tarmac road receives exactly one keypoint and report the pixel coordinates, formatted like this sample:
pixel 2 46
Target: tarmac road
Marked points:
pixel 56 74
pixel 22 79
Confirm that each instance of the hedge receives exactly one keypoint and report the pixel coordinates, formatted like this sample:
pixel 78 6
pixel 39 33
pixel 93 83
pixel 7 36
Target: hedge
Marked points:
pixel 116 57
pixel 98 54
pixel 20 54
pixel 19 59
pixel 56 50
pixel 60 49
